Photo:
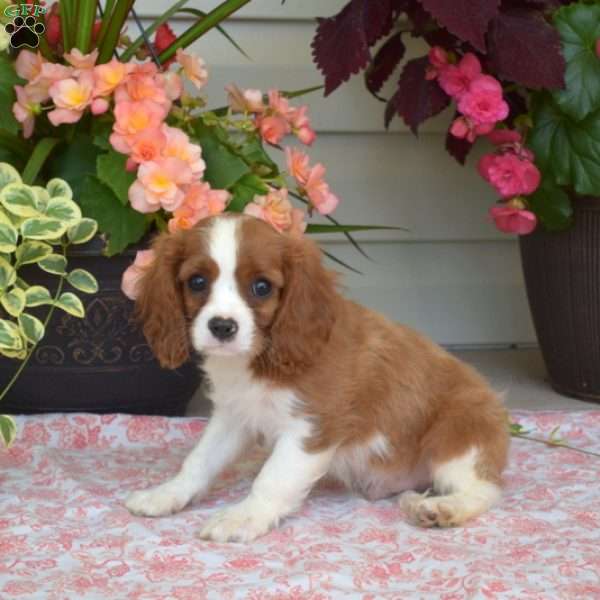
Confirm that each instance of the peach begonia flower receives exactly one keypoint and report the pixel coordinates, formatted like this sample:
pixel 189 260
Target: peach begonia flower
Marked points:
pixel 301 125
pixel 147 145
pixel 274 208
pixel 71 97
pixel 199 203
pixel 172 84
pixel 81 61
pixel 99 106
pixel 108 76
pixel 193 67
pixel 158 185
pixel 318 191
pixel 28 64
pixel 139 86
pixel 132 275
pixel 178 145
pixel 279 104
pixel 131 118
pixel 25 109
pixel 272 128
pixel 247 101
pixel 297 164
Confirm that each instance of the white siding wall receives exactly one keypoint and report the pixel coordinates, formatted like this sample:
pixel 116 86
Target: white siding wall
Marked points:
pixel 452 275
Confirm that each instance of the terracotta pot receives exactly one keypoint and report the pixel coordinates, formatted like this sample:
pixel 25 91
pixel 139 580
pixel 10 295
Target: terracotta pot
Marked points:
pixel 562 275
pixel 101 363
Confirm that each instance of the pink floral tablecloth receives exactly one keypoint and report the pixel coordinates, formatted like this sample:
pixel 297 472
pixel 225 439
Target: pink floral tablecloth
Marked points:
pixel 65 534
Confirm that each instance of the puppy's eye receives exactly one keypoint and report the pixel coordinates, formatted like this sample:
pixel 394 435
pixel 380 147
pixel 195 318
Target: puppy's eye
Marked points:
pixel 197 283
pixel 261 288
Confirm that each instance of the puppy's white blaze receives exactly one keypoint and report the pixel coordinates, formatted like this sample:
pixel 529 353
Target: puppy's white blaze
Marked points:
pixel 225 299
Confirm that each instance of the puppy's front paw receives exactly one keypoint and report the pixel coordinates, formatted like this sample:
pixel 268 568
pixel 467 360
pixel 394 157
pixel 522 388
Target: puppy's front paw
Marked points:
pixel 158 501
pixel 243 522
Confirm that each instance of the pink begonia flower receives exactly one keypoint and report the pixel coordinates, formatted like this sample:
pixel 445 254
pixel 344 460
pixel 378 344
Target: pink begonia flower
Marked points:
pixel 158 185
pixel 132 275
pixel 301 125
pixel 483 103
pixel 138 86
pixel 193 67
pixel 456 80
pixel 509 174
pixel 464 128
pixel 25 109
pixel 318 191
pixel 274 208
pixel 513 220
pixel 279 104
pixel 147 145
pixel 297 164
pixel 272 128
pixel 71 97
pixel 108 76
pixel 178 145
pixel 500 137
pixel 29 64
pixel 81 61
pixel 438 60
pixel 99 106
pixel 48 74
pixel 132 118
pixel 131 165
pixel 199 203
pixel 247 101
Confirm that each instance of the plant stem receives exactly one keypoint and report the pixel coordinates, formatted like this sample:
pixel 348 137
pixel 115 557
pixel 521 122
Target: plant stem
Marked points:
pixel 212 19
pixel 30 353
pixel 66 20
pixel 106 17
pixel 128 54
pixel 550 443
pixel 113 32
pixel 37 159
pixel 86 16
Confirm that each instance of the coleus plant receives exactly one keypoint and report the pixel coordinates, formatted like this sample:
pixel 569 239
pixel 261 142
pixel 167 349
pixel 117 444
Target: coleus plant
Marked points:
pixel 525 74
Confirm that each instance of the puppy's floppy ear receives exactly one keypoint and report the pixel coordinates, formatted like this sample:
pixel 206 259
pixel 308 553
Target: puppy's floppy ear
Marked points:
pixel 159 304
pixel 306 313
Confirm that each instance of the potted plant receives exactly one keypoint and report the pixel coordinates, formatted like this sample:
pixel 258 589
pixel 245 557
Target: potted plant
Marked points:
pixel 525 75
pixel 125 123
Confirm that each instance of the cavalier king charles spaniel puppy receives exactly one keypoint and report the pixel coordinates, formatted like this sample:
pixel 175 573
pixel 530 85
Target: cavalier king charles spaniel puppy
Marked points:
pixel 332 387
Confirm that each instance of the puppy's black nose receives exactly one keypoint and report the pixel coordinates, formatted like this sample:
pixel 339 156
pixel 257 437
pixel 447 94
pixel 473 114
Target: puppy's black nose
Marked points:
pixel 222 329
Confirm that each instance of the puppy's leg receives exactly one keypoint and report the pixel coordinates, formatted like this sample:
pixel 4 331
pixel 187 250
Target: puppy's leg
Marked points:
pixel 281 486
pixel 221 442
pixel 463 494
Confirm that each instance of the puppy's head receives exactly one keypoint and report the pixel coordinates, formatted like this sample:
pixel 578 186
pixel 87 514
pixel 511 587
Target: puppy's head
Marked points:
pixel 234 286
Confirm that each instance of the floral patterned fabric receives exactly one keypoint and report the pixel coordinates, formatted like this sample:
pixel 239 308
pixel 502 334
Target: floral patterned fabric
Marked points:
pixel 65 534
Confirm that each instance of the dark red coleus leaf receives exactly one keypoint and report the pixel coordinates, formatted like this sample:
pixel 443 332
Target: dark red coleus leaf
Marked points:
pixel 164 37
pixel 459 148
pixel 524 48
pixel 341 43
pixel 388 57
pixel 517 105
pixel 467 19
pixel 416 98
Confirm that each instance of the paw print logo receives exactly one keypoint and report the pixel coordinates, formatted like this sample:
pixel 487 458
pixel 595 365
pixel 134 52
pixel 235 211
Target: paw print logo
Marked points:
pixel 24 32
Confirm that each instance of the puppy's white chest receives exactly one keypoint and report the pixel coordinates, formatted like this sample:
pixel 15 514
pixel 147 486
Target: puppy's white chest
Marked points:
pixel 261 408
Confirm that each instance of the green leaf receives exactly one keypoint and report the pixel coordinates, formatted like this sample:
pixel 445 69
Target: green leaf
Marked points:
pixel 111 171
pixel 14 302
pixel 31 327
pixel 101 130
pixel 32 252
pixel 73 162
pixel 552 206
pixel 83 281
pixel 83 231
pixel 223 167
pixel 8 80
pixel 8 274
pixel 42 197
pixel 54 263
pixel 568 150
pixel 59 187
pixel 8 174
pixel 8 238
pixel 38 158
pixel 122 224
pixel 245 190
pixel 71 304
pixel 10 338
pixel 42 228
pixel 37 295
pixel 20 200
pixel 8 429
pixel 64 210
pixel 579 28
pixel 253 152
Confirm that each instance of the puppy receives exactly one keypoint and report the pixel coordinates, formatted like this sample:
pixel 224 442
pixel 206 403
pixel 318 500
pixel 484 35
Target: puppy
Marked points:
pixel 331 386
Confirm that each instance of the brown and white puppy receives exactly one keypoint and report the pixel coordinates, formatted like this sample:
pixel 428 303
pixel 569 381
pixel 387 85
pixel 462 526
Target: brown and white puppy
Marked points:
pixel 332 386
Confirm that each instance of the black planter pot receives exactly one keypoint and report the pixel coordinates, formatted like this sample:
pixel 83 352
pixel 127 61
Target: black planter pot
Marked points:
pixel 98 364
pixel 562 275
